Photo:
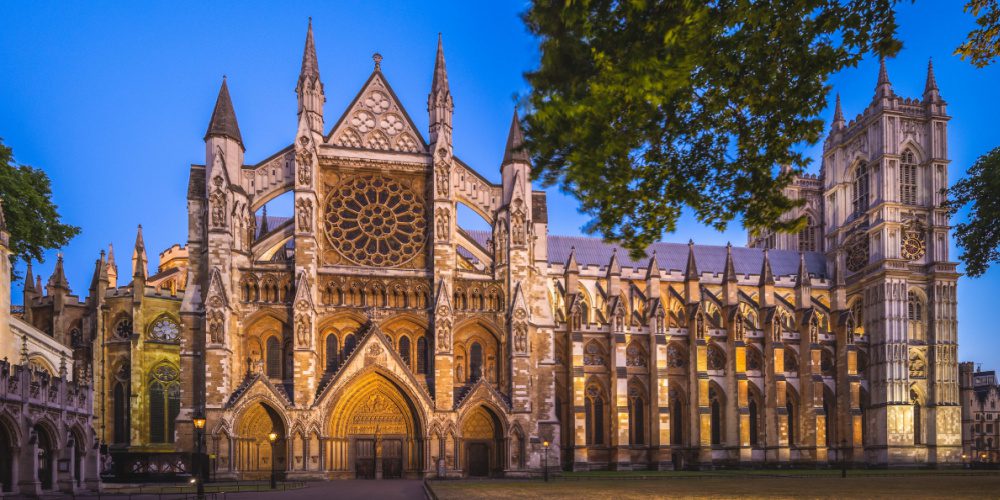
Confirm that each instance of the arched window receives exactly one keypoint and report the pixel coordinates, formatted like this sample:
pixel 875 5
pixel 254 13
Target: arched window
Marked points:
pixel 914 309
pixel 121 413
pixel 917 427
pixel 753 422
pixel 164 329
pixel 716 407
pixel 164 403
pixel 908 178
pixel 676 421
pixel 860 200
pixel 273 356
pixel 636 420
pixel 594 416
pixel 350 342
pixel 422 354
pixel 475 362
pixel 808 236
pixel 404 349
pixel 332 358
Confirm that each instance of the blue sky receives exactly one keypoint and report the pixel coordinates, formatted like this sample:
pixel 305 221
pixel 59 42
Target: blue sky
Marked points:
pixel 112 100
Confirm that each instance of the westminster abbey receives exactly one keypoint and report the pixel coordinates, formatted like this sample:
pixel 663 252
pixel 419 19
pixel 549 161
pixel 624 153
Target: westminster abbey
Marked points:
pixel 369 335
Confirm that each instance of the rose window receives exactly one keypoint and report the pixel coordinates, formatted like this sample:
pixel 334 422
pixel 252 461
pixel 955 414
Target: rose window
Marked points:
pixel 164 330
pixel 375 221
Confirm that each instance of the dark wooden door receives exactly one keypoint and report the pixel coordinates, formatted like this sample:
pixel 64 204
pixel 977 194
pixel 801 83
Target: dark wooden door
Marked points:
pixel 479 459
pixel 364 458
pixel 392 459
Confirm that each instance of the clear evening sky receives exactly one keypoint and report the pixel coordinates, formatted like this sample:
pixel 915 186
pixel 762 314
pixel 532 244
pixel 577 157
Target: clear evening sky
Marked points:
pixel 112 100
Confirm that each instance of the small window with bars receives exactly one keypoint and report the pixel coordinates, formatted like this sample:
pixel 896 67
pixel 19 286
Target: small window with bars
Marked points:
pixel 908 178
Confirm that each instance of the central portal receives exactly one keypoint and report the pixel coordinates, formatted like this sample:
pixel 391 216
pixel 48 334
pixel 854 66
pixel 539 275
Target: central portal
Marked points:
pixel 380 424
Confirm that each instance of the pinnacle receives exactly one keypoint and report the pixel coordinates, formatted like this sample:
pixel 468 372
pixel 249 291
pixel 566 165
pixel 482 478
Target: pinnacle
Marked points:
pixel 310 65
pixel 223 122
pixel 931 85
pixel 440 81
pixel 884 87
pixel 515 152
pixel 838 111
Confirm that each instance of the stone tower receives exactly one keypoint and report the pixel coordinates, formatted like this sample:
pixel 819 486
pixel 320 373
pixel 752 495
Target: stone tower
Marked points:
pixel 882 177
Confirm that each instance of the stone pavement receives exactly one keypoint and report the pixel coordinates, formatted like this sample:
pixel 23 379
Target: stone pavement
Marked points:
pixel 390 489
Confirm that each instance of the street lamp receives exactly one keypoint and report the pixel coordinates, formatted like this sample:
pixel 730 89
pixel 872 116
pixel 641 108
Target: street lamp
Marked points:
pixel 545 460
pixel 199 430
pixel 272 437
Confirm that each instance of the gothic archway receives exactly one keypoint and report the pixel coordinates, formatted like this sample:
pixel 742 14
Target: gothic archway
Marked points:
pixel 482 442
pixel 255 454
pixel 376 430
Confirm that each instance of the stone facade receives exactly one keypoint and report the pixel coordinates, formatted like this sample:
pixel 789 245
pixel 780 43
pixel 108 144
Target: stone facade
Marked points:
pixel 47 441
pixel 372 336
pixel 980 415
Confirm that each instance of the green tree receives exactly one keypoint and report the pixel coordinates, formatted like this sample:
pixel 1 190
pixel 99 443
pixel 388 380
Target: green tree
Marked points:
pixel 33 221
pixel 979 236
pixel 983 45
pixel 640 108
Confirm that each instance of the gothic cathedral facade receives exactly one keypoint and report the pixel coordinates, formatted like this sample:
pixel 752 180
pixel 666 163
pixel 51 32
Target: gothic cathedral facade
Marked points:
pixel 369 335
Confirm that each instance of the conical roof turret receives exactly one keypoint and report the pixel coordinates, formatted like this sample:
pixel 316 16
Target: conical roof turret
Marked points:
pixel 931 92
pixel 223 122
pixel 884 87
pixel 691 270
pixel 515 152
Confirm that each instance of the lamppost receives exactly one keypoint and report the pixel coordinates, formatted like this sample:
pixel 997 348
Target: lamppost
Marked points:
pixel 545 460
pixel 199 432
pixel 272 437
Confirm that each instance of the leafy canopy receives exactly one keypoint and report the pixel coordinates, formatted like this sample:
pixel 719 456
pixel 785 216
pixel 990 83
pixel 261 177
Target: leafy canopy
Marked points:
pixel 33 221
pixel 640 108
pixel 983 44
pixel 979 236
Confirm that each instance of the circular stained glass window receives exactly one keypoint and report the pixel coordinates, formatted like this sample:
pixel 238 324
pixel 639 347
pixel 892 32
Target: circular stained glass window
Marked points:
pixel 372 220
pixel 164 330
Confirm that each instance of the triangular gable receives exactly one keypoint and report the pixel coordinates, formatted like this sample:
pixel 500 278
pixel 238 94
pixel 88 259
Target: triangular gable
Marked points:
pixel 482 391
pixel 254 385
pixel 215 289
pixel 376 120
pixel 374 350
pixel 303 293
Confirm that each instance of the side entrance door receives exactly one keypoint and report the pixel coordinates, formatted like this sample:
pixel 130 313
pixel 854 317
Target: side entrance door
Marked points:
pixel 364 458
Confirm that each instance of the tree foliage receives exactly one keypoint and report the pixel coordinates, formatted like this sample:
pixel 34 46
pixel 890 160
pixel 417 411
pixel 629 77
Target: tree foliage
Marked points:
pixel 983 45
pixel 33 221
pixel 979 236
pixel 641 108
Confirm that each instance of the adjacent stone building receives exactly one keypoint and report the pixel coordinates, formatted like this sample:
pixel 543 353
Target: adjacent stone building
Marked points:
pixel 47 440
pixel 980 415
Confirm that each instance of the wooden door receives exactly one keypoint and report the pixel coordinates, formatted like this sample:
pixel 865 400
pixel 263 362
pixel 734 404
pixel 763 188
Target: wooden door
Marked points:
pixel 364 458
pixel 392 459
pixel 479 459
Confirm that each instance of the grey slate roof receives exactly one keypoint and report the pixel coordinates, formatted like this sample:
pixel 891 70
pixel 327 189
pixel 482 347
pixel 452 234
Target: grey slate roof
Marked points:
pixel 673 256
pixel 223 120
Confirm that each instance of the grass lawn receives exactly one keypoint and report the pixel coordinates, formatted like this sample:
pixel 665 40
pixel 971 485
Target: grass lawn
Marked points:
pixel 819 484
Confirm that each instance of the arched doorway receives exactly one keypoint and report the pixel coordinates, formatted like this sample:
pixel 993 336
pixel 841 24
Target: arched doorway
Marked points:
pixel 377 431
pixel 46 456
pixel 482 436
pixel 255 455
pixel 7 444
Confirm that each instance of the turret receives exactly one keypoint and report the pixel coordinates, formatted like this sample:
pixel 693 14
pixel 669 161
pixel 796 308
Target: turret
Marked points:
pixel 310 88
pixel 58 287
pixel 766 283
pixel 692 279
pixel 572 273
pixel 883 89
pixel 730 288
pixel 838 116
pixel 614 275
pixel 931 92
pixel 803 285
pixel 139 260
pixel 439 102
pixel 111 268
pixel 99 282
pixel 30 292
pixel 653 277
pixel 224 135
pixel 515 166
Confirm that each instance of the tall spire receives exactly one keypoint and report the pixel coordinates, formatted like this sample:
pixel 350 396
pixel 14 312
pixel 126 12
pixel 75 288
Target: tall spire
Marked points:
pixel 309 89
pixel 139 260
pixel 883 88
pixel 930 87
pixel 439 101
pixel 29 278
pixel 58 278
pixel 223 122
pixel 730 269
pixel 514 152
pixel 263 221
pixel 111 268
pixel 440 81
pixel 310 64
pixel 838 114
